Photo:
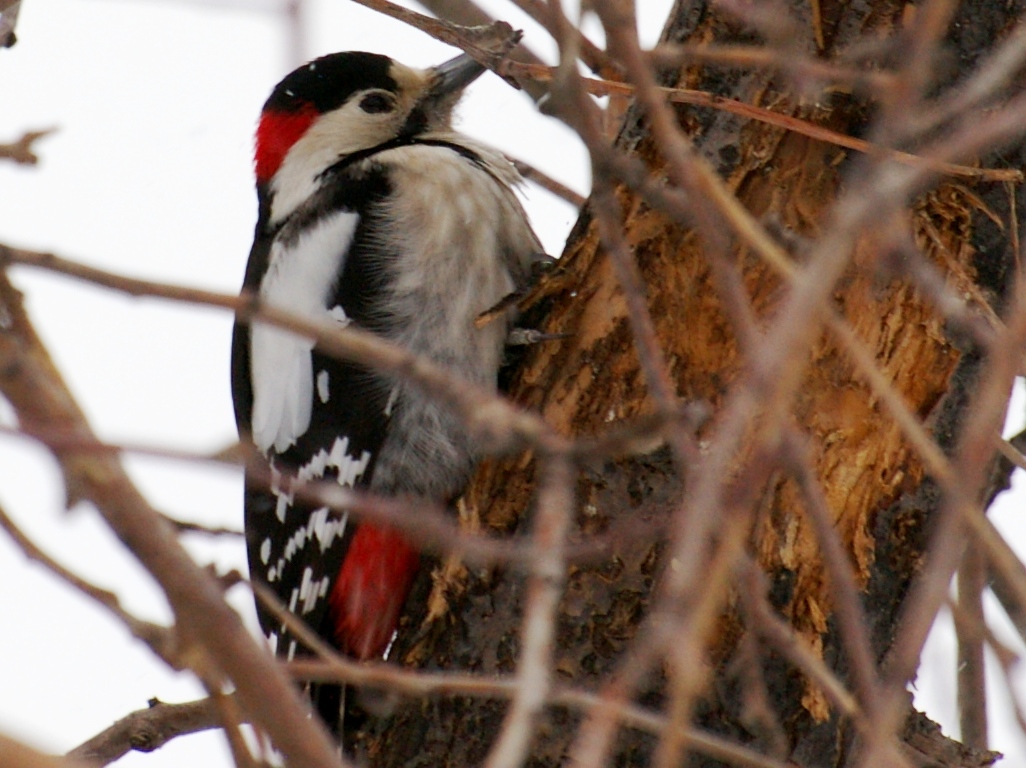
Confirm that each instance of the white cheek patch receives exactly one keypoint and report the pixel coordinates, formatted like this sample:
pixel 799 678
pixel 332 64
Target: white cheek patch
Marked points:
pixel 332 135
pixel 298 279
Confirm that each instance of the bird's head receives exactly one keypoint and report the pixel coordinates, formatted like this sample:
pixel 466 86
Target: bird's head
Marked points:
pixel 347 102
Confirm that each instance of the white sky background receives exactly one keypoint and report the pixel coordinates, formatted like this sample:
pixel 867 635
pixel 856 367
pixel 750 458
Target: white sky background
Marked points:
pixel 150 175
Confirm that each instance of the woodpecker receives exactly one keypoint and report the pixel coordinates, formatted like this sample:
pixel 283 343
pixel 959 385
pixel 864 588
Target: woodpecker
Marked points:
pixel 374 212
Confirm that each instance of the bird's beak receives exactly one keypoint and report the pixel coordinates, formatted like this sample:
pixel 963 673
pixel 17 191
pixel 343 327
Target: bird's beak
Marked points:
pixel 455 75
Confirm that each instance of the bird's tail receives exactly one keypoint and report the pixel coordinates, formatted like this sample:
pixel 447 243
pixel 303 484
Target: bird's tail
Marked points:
pixel 329 701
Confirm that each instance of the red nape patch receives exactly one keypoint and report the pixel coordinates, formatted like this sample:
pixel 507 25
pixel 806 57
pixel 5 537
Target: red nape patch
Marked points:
pixel 372 585
pixel 276 134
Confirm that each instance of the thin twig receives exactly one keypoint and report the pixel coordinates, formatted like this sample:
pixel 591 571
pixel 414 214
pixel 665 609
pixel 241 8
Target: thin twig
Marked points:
pixel 698 98
pixel 146 730
pixel 61 439
pixel 594 57
pixel 332 667
pixel 972 682
pixel 462 24
pixel 497 425
pixel 545 582
pixel 545 181
pixel 14 754
pixel 1005 656
pixel 850 613
pixel 160 640
pixel 799 68
pixel 1009 451
pixel 22 150
pixel 432 526
pixel 231 719
pixel 958 513
pixel 781 637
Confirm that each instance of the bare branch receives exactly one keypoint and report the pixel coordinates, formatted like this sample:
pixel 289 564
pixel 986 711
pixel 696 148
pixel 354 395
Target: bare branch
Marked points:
pixel 545 583
pixel 799 68
pixel 494 422
pixel 160 640
pixel 782 638
pixel 972 682
pixel 14 754
pixel 851 616
pixel 22 150
pixel 545 181
pixel 146 730
pixel 594 57
pixel 797 125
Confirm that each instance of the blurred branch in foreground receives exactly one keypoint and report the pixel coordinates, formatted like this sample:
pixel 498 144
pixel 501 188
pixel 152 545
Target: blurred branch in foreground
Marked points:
pixel 22 150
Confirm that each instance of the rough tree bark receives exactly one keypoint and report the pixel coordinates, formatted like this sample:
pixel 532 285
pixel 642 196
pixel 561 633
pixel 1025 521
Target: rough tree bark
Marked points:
pixel 875 483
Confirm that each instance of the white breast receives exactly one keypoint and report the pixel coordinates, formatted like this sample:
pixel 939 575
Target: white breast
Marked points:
pixel 299 279
pixel 458 235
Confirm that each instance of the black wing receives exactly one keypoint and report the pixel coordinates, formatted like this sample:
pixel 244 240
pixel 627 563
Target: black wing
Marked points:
pixel 296 547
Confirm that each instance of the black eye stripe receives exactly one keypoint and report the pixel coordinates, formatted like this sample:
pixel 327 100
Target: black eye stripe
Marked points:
pixel 377 102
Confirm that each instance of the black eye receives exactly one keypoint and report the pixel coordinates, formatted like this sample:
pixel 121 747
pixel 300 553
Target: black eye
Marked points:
pixel 377 102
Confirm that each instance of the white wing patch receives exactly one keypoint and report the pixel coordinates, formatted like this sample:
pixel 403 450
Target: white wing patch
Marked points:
pixel 298 279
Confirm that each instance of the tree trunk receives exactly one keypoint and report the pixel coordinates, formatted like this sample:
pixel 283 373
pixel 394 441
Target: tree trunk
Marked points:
pixel 874 482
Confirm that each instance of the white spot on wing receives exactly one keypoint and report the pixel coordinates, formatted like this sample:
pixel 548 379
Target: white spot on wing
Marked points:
pixel 326 530
pixel 265 551
pixel 283 497
pixel 392 397
pixel 323 388
pixel 282 504
pixel 339 314
pixel 311 591
pixel 304 590
pixel 295 543
pixel 349 469
pixel 321 524
pixel 298 279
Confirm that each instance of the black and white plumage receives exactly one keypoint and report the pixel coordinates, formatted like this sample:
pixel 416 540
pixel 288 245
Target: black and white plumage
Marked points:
pixel 375 212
